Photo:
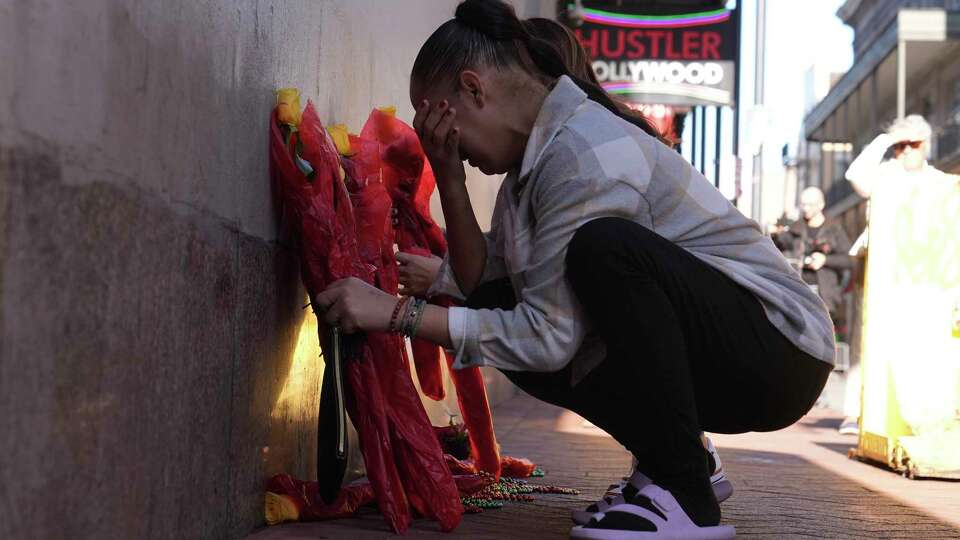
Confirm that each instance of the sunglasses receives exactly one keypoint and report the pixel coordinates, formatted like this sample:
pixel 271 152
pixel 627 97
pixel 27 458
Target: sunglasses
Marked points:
pixel 901 146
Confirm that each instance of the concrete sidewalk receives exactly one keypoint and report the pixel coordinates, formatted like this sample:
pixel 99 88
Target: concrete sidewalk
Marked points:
pixel 795 483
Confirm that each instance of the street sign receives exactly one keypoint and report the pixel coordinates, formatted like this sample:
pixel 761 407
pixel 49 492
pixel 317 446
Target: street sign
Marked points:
pixel 681 59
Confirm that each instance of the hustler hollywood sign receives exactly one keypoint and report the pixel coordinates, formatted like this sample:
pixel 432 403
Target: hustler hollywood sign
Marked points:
pixel 675 59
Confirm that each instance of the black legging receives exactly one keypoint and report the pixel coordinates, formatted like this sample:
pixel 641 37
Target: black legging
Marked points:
pixel 688 350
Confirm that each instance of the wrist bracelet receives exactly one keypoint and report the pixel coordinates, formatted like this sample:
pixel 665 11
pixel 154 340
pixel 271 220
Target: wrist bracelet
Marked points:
pixel 416 325
pixel 409 310
pixel 394 327
pixel 396 311
pixel 412 319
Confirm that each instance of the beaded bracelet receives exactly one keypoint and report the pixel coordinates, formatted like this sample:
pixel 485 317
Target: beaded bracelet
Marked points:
pixel 394 326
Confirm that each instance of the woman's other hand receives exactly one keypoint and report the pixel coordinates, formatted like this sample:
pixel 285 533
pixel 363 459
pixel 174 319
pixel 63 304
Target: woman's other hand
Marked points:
pixel 417 273
pixel 440 138
pixel 356 306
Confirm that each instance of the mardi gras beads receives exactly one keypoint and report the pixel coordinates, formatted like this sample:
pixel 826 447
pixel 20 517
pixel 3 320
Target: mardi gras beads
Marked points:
pixel 480 503
pixel 555 489
pixel 507 489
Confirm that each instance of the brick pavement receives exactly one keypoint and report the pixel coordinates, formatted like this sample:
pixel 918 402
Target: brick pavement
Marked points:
pixel 796 483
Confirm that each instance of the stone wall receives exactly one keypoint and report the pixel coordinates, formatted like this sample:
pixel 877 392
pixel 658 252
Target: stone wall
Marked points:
pixel 155 363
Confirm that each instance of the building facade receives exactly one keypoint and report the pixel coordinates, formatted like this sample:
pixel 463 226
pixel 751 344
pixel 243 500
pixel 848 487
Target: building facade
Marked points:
pixel 906 61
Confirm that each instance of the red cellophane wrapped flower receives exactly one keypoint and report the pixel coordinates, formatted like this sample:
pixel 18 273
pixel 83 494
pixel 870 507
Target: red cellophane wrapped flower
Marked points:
pixel 317 207
pixel 427 481
pixel 410 182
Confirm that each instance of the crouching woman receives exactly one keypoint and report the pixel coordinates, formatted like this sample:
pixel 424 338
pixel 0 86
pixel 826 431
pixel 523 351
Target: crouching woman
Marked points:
pixel 644 301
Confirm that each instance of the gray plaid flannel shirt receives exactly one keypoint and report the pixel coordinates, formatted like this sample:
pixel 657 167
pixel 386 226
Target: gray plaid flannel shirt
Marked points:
pixel 581 163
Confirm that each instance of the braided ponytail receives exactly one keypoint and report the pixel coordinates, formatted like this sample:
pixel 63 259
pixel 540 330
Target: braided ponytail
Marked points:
pixel 488 32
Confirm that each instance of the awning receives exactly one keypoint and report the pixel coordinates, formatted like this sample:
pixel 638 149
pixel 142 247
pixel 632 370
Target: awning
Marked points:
pixel 874 90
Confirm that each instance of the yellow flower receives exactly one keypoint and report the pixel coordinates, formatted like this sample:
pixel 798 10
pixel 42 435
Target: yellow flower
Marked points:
pixel 288 106
pixel 280 508
pixel 341 138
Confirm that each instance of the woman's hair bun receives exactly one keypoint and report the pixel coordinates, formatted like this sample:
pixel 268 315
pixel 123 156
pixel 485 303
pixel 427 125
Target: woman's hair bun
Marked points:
pixel 466 13
pixel 493 18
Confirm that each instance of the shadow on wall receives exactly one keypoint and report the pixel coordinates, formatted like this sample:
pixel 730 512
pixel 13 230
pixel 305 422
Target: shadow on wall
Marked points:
pixel 146 357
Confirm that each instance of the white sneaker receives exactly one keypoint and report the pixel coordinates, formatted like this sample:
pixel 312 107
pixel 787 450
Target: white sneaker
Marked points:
pixel 722 488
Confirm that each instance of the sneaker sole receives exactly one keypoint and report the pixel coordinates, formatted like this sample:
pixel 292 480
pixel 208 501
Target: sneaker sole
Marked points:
pixel 719 532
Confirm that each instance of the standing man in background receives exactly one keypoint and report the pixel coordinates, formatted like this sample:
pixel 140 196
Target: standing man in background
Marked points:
pixel 820 248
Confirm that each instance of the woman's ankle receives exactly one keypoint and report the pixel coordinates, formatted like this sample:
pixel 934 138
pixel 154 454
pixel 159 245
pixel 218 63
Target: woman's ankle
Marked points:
pixel 697 500
pixel 703 510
